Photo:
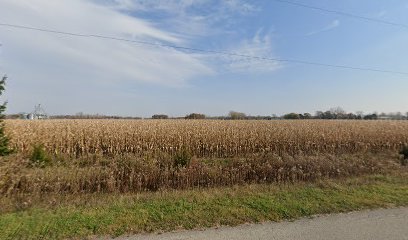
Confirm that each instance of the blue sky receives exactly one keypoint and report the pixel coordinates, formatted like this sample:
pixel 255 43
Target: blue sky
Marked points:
pixel 70 74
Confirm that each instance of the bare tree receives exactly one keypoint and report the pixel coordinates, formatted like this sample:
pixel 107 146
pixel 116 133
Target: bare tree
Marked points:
pixel 236 115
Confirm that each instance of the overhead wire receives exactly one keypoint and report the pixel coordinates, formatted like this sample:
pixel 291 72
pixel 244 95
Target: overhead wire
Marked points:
pixel 347 14
pixel 157 44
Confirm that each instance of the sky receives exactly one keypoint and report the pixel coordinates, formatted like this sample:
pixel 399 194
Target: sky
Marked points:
pixel 71 74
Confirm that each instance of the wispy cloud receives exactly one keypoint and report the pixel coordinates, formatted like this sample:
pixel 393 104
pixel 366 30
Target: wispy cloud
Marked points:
pixel 212 19
pixel 260 45
pixel 331 26
pixel 69 74
pixel 124 4
pixel 43 66
pixel 177 6
pixel 382 13
pixel 190 18
pixel 114 61
pixel 240 6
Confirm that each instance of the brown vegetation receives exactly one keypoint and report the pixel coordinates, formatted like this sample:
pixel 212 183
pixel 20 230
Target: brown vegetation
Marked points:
pixel 116 156
pixel 206 138
pixel 131 174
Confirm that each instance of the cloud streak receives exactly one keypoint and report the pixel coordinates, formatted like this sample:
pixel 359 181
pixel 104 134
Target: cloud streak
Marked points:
pixel 43 66
pixel 115 60
pixel 260 45
pixel 331 26
pixel 66 72
pixel 189 18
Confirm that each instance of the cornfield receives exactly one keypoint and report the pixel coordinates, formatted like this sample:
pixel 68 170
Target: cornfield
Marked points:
pixel 206 138
pixel 93 156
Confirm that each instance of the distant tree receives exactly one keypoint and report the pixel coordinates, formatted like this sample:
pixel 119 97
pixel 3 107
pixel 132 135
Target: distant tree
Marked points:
pixel 319 115
pixel 307 116
pixel 351 116
pixel 13 116
pixel 328 115
pixel 373 116
pixel 383 115
pixel 4 140
pixel 338 112
pixel 291 116
pixel 160 116
pixel 236 115
pixel 359 115
pixel 195 116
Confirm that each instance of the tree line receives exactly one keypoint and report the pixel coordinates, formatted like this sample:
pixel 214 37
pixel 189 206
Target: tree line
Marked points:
pixel 339 113
pixel 333 113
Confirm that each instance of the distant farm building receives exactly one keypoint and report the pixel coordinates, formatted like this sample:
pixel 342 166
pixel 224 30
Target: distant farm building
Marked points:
pixel 37 114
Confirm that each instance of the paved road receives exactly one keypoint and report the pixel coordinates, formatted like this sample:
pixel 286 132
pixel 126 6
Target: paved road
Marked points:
pixel 384 224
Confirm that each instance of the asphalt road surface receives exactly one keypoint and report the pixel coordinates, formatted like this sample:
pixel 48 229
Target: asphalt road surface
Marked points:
pixel 383 224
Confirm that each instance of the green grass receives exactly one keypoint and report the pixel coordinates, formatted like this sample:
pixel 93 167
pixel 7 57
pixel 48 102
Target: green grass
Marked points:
pixel 98 215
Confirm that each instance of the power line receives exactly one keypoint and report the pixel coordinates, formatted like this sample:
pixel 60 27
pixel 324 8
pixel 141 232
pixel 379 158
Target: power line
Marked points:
pixel 344 13
pixel 202 50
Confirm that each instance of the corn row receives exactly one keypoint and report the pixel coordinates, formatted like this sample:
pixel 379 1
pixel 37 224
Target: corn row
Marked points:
pixel 205 138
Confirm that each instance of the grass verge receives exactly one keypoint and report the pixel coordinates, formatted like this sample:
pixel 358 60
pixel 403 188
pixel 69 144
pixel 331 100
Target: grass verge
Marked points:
pixel 86 216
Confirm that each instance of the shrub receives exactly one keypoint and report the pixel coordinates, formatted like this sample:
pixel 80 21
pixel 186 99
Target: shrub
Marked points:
pixel 39 156
pixel 182 158
pixel 404 152
pixel 4 140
